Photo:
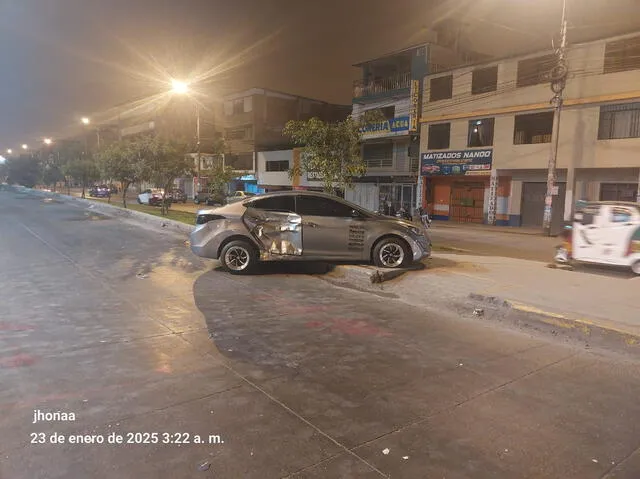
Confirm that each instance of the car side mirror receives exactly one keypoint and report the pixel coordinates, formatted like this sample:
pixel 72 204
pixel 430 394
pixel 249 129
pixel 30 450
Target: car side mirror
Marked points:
pixel 355 214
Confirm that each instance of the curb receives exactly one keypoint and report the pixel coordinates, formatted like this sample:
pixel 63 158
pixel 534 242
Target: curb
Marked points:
pixel 587 331
pixel 116 211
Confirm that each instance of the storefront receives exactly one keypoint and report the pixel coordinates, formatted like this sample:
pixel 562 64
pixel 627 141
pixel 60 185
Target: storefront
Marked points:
pixel 456 184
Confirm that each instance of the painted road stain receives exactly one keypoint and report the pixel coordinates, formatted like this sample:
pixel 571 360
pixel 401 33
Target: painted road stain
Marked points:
pixel 17 361
pixel 4 326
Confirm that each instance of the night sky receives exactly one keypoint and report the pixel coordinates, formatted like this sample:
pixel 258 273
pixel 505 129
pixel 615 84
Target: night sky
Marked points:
pixel 62 59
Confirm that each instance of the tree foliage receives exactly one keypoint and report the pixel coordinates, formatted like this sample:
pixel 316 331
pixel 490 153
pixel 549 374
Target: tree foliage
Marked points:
pixel 23 170
pixel 83 170
pixel 166 161
pixel 126 161
pixel 329 150
pixel 218 177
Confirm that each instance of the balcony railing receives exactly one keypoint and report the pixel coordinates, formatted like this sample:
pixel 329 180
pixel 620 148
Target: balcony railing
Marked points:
pixel 363 88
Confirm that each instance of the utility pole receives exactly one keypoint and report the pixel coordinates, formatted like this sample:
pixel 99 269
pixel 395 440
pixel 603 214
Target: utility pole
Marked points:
pixel 558 82
pixel 198 144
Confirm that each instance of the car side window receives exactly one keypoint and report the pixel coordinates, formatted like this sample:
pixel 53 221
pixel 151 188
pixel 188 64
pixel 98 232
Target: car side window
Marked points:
pixel 620 215
pixel 316 206
pixel 275 203
pixel 587 215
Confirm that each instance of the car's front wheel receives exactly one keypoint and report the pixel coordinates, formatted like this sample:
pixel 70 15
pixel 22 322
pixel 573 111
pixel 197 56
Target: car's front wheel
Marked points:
pixel 391 252
pixel 635 267
pixel 238 257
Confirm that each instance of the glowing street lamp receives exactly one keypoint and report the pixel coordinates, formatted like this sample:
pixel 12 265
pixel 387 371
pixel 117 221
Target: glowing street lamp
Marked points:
pixel 48 141
pixel 9 151
pixel 25 146
pixel 179 87
pixel 85 121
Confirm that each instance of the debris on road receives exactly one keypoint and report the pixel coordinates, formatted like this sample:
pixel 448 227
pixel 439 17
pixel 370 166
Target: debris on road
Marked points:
pixel 141 276
pixel 478 312
pixel 204 466
pixel 405 457
pixel 385 451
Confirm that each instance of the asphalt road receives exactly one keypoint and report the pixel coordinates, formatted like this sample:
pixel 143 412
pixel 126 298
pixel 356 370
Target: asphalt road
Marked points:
pixel 284 374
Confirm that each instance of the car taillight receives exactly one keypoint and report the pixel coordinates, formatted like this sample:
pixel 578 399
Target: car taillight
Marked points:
pixel 205 218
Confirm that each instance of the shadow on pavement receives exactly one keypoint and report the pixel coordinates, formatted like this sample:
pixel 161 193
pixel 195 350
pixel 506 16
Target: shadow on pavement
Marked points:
pixel 286 267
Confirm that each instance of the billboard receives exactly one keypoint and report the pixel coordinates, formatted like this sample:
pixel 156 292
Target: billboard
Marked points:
pixel 453 163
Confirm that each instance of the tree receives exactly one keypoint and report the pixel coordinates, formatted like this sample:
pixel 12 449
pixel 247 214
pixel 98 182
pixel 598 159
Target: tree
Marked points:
pixel 23 170
pixel 167 160
pixel 51 169
pixel 219 176
pixel 67 152
pixel 126 161
pixel 82 170
pixel 330 150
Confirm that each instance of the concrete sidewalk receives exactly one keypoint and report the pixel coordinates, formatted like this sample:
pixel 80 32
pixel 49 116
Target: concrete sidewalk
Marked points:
pixel 588 304
pixel 588 297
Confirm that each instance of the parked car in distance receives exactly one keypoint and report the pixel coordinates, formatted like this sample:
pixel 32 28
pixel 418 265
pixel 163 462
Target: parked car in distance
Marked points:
pixel 304 225
pixel 177 196
pixel 151 197
pixel 208 199
pixel 238 196
pixel 99 191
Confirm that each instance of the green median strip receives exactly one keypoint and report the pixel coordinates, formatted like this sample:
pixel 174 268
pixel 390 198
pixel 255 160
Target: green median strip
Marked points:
pixel 175 215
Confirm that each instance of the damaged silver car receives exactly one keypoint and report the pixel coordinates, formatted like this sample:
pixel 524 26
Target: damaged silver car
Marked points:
pixel 302 225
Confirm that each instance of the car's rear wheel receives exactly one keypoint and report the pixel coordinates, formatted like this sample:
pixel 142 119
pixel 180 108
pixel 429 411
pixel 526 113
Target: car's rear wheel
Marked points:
pixel 238 257
pixel 635 267
pixel 391 252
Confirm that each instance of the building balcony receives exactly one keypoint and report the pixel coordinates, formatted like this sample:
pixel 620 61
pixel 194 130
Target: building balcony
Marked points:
pixel 372 88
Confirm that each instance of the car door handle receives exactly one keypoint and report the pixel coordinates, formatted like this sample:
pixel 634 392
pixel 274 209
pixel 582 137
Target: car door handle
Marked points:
pixel 311 224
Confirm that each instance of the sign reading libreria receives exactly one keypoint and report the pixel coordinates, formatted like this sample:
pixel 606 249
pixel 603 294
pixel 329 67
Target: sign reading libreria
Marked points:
pixel 395 125
pixel 464 162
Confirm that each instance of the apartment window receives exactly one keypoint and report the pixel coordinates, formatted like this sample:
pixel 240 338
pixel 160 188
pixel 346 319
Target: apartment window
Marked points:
pixel 484 80
pixel 439 136
pixel 622 55
pixel 481 132
pixel 378 155
pixel 238 106
pixel 277 165
pixel 618 191
pixel 534 71
pixel 441 88
pixel 242 161
pixel 247 104
pixel 619 121
pixel 533 128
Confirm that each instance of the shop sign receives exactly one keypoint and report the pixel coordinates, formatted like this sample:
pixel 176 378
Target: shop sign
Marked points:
pixel 314 176
pixel 464 162
pixel 415 106
pixel 387 127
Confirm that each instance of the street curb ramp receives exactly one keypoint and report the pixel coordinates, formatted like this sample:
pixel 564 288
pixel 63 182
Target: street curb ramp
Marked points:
pixel 588 332
pixel 366 278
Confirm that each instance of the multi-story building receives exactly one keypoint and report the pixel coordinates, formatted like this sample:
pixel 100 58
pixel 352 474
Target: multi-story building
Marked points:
pixel 253 123
pixel 486 135
pixel 391 86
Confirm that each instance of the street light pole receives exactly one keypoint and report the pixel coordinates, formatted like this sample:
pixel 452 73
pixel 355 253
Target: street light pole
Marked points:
pixel 558 82
pixel 198 143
